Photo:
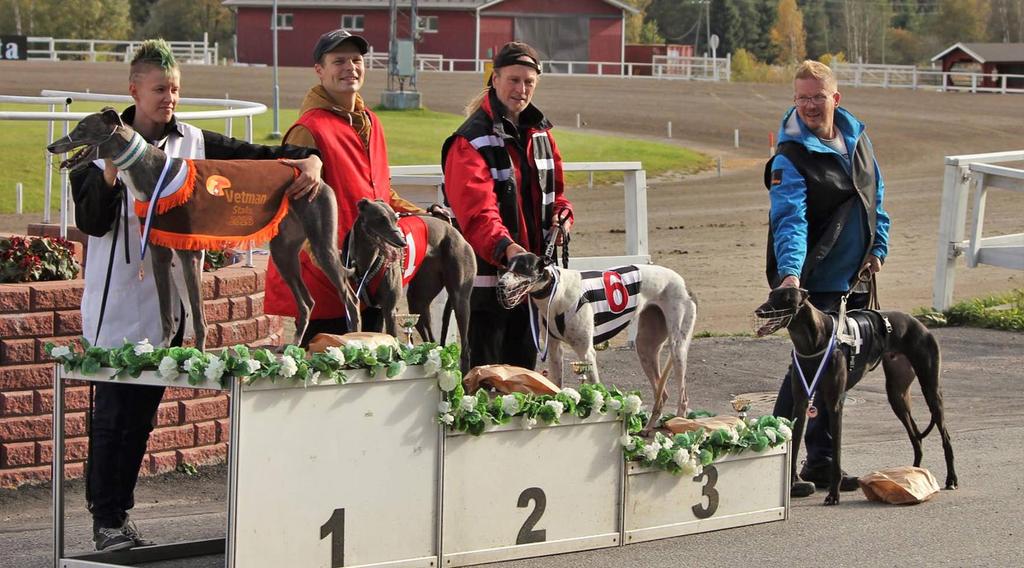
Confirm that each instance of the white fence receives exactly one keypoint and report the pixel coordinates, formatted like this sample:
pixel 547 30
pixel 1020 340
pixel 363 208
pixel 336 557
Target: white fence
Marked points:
pixel 662 67
pixel 233 109
pixel 693 68
pixel 1004 250
pixel 635 193
pixel 54 49
pixel 911 77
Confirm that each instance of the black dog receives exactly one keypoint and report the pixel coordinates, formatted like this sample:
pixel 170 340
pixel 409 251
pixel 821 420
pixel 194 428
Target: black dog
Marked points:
pixel 904 346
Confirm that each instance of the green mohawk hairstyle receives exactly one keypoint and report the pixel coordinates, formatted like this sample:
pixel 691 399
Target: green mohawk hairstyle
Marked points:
pixel 155 52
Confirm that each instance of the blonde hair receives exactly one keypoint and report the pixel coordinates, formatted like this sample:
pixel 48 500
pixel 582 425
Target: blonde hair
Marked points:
pixel 153 53
pixel 476 101
pixel 810 69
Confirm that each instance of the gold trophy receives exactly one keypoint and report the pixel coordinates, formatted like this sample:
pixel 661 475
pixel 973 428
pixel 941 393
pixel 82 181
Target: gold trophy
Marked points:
pixel 582 370
pixel 741 406
pixel 408 323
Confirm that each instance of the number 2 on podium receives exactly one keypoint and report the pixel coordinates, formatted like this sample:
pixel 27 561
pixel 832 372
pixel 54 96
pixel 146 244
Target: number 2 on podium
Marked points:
pixel 526 534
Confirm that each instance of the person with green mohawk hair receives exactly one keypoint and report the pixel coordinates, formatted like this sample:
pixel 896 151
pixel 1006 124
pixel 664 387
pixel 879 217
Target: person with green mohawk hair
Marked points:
pixel 123 413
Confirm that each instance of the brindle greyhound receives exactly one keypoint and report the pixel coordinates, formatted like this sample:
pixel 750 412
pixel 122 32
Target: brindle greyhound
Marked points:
pixel 448 262
pixel 905 348
pixel 103 136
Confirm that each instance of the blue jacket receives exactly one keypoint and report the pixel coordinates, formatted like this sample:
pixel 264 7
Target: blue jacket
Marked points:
pixel 789 215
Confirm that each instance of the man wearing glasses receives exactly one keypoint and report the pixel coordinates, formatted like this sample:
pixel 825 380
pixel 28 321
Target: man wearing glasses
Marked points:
pixel 827 226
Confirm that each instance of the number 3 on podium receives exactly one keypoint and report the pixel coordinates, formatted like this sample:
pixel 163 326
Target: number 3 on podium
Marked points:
pixel 709 491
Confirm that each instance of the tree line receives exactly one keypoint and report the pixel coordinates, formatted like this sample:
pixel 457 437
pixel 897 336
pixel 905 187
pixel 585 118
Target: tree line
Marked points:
pixel 769 31
pixel 785 31
pixel 173 20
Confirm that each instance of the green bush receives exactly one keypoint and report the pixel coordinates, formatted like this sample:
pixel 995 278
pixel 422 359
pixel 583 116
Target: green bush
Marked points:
pixel 1001 311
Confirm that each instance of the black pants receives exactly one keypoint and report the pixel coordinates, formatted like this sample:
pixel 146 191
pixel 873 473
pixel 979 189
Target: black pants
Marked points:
pixel 372 320
pixel 497 335
pixel 817 437
pixel 123 416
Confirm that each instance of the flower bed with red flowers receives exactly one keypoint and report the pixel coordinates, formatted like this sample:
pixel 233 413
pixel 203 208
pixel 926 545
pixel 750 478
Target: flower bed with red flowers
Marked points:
pixel 36 259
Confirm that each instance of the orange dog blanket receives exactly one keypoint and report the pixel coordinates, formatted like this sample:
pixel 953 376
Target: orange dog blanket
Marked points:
pixel 215 204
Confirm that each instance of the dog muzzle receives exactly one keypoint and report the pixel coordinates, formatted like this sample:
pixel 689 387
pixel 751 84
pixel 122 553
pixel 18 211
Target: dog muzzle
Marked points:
pixel 767 322
pixel 512 289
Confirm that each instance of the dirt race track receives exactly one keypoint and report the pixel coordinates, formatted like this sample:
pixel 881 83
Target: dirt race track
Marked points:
pixel 710 229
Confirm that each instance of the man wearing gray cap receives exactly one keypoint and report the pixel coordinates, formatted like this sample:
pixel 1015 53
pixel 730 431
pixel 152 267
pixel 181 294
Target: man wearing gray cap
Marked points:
pixel 334 120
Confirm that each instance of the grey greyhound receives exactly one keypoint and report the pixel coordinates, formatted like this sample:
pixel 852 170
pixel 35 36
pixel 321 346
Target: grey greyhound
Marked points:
pixel 445 260
pixel 904 346
pixel 104 136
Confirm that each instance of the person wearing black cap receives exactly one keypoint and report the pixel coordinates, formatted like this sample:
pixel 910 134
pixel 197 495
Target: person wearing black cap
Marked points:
pixel 504 182
pixel 334 120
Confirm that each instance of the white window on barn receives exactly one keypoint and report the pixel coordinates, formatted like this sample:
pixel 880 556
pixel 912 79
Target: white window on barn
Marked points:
pixel 427 24
pixel 352 22
pixel 284 21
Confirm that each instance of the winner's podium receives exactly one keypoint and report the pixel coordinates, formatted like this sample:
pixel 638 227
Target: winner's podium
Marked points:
pixel 363 474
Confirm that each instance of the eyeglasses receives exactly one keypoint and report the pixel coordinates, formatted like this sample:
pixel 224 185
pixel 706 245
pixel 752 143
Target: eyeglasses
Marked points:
pixel 816 99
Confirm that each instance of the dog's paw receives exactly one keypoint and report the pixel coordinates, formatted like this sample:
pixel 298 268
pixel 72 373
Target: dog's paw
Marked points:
pixel 952 482
pixel 832 499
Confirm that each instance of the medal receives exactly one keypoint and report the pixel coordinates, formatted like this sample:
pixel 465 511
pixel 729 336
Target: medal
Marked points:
pixel 812 412
pixel 142 274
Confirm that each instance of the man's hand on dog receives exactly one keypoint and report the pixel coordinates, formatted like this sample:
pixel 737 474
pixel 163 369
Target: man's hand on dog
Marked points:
pixel 307 183
pixel 511 251
pixel 790 281
pixel 441 212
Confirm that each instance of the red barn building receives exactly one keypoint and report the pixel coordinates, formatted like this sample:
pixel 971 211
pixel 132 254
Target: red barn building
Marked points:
pixel 987 58
pixel 566 30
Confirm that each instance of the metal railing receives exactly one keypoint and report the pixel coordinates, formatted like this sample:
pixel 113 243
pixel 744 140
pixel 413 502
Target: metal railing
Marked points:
pixel 234 109
pixel 57 49
pixel 1004 250
pixel 911 77
pixel 634 179
pixel 679 68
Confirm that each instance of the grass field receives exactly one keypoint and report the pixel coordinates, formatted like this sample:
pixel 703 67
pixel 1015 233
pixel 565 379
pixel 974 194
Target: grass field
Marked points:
pixel 414 137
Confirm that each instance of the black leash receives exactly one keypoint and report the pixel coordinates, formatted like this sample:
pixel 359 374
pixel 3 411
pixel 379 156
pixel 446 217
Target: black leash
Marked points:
pixel 550 251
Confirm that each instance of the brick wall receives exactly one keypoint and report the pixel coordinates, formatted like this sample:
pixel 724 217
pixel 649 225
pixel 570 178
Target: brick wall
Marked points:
pixel 192 425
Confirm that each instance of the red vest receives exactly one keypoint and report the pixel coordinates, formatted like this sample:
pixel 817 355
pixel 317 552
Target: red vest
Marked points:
pixel 353 174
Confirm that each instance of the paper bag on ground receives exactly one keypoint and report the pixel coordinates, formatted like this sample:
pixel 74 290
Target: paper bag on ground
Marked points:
pixel 903 485
pixel 322 341
pixel 508 379
pixel 679 425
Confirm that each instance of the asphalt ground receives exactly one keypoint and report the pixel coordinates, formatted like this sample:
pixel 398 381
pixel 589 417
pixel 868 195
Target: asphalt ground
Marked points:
pixel 976 525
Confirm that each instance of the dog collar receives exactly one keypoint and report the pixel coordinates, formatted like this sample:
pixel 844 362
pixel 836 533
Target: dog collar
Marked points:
pixel 135 150
pixel 545 291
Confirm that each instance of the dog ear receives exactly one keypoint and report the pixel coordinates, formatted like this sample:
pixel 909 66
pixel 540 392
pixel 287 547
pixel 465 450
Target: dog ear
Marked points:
pixel 804 294
pixel 362 203
pixel 111 117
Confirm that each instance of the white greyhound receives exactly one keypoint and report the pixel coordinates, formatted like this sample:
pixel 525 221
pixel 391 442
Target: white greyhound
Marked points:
pixel 586 308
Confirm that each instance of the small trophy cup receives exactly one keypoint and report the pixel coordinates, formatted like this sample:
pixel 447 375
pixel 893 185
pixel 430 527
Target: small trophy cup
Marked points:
pixel 741 406
pixel 582 370
pixel 408 323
